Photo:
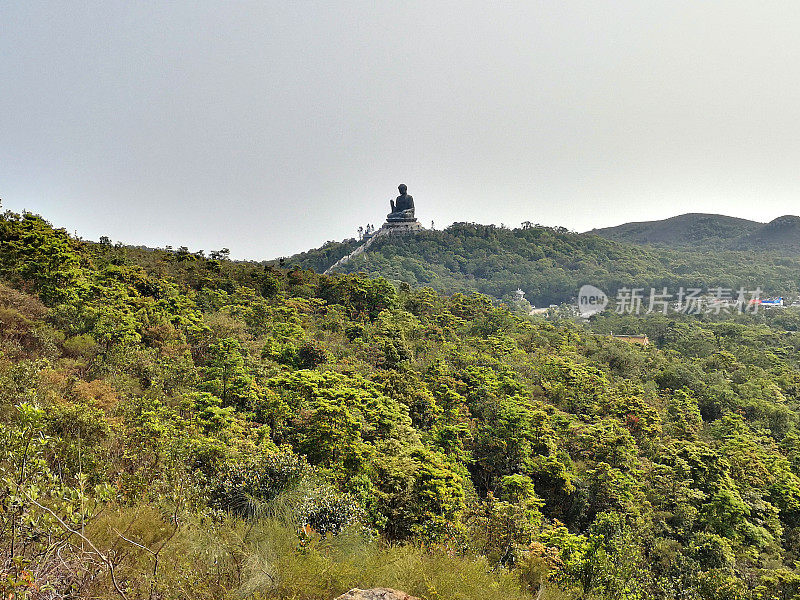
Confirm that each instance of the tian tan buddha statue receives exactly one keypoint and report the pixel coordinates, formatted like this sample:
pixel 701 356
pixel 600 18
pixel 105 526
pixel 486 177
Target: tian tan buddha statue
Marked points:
pixel 402 206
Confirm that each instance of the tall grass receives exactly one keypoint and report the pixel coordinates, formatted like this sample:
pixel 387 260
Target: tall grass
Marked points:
pixel 266 559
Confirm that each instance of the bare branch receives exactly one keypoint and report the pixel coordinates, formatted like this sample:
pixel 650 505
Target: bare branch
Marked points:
pixel 145 548
pixel 109 563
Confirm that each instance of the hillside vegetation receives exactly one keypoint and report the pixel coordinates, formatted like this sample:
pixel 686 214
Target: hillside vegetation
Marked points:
pixel 691 229
pixel 550 265
pixel 177 426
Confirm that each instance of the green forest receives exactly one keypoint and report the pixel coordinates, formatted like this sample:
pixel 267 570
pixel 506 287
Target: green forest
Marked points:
pixel 176 425
pixel 551 264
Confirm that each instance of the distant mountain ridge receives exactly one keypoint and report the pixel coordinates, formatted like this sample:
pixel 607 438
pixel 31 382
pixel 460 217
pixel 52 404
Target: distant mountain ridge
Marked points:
pixel 703 230
pixel 783 232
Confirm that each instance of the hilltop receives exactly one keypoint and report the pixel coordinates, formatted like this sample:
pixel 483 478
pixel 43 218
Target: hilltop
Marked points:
pixel 702 231
pixel 782 233
pixel 691 229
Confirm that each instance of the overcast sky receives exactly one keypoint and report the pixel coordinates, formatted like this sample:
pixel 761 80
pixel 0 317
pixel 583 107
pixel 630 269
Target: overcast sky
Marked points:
pixel 271 127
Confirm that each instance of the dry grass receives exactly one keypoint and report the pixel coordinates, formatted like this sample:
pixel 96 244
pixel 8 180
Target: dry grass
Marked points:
pixel 267 560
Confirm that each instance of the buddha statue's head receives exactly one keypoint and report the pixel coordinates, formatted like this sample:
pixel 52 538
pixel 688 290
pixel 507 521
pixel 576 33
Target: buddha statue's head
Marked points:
pixel 403 188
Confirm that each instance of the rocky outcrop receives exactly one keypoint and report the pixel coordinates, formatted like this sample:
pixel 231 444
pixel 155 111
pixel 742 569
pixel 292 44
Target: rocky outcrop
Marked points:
pixel 375 594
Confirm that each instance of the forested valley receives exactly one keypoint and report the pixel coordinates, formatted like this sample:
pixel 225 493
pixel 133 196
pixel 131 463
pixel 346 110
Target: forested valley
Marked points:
pixel 176 425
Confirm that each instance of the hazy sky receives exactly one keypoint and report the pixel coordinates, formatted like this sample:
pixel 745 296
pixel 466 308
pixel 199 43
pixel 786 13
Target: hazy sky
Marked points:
pixel 271 127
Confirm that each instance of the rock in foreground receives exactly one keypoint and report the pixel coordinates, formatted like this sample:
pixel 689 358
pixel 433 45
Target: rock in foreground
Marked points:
pixel 375 594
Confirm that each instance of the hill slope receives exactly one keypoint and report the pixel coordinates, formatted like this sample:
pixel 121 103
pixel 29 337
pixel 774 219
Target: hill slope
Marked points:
pixel 550 265
pixel 271 433
pixel 705 231
pixel 691 229
pixel 781 234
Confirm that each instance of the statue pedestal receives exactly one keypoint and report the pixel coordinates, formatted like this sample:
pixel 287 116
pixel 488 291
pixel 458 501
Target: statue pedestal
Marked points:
pixel 400 227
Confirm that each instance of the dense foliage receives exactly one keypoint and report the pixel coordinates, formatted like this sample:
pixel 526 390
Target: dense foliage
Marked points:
pixel 181 426
pixel 550 265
